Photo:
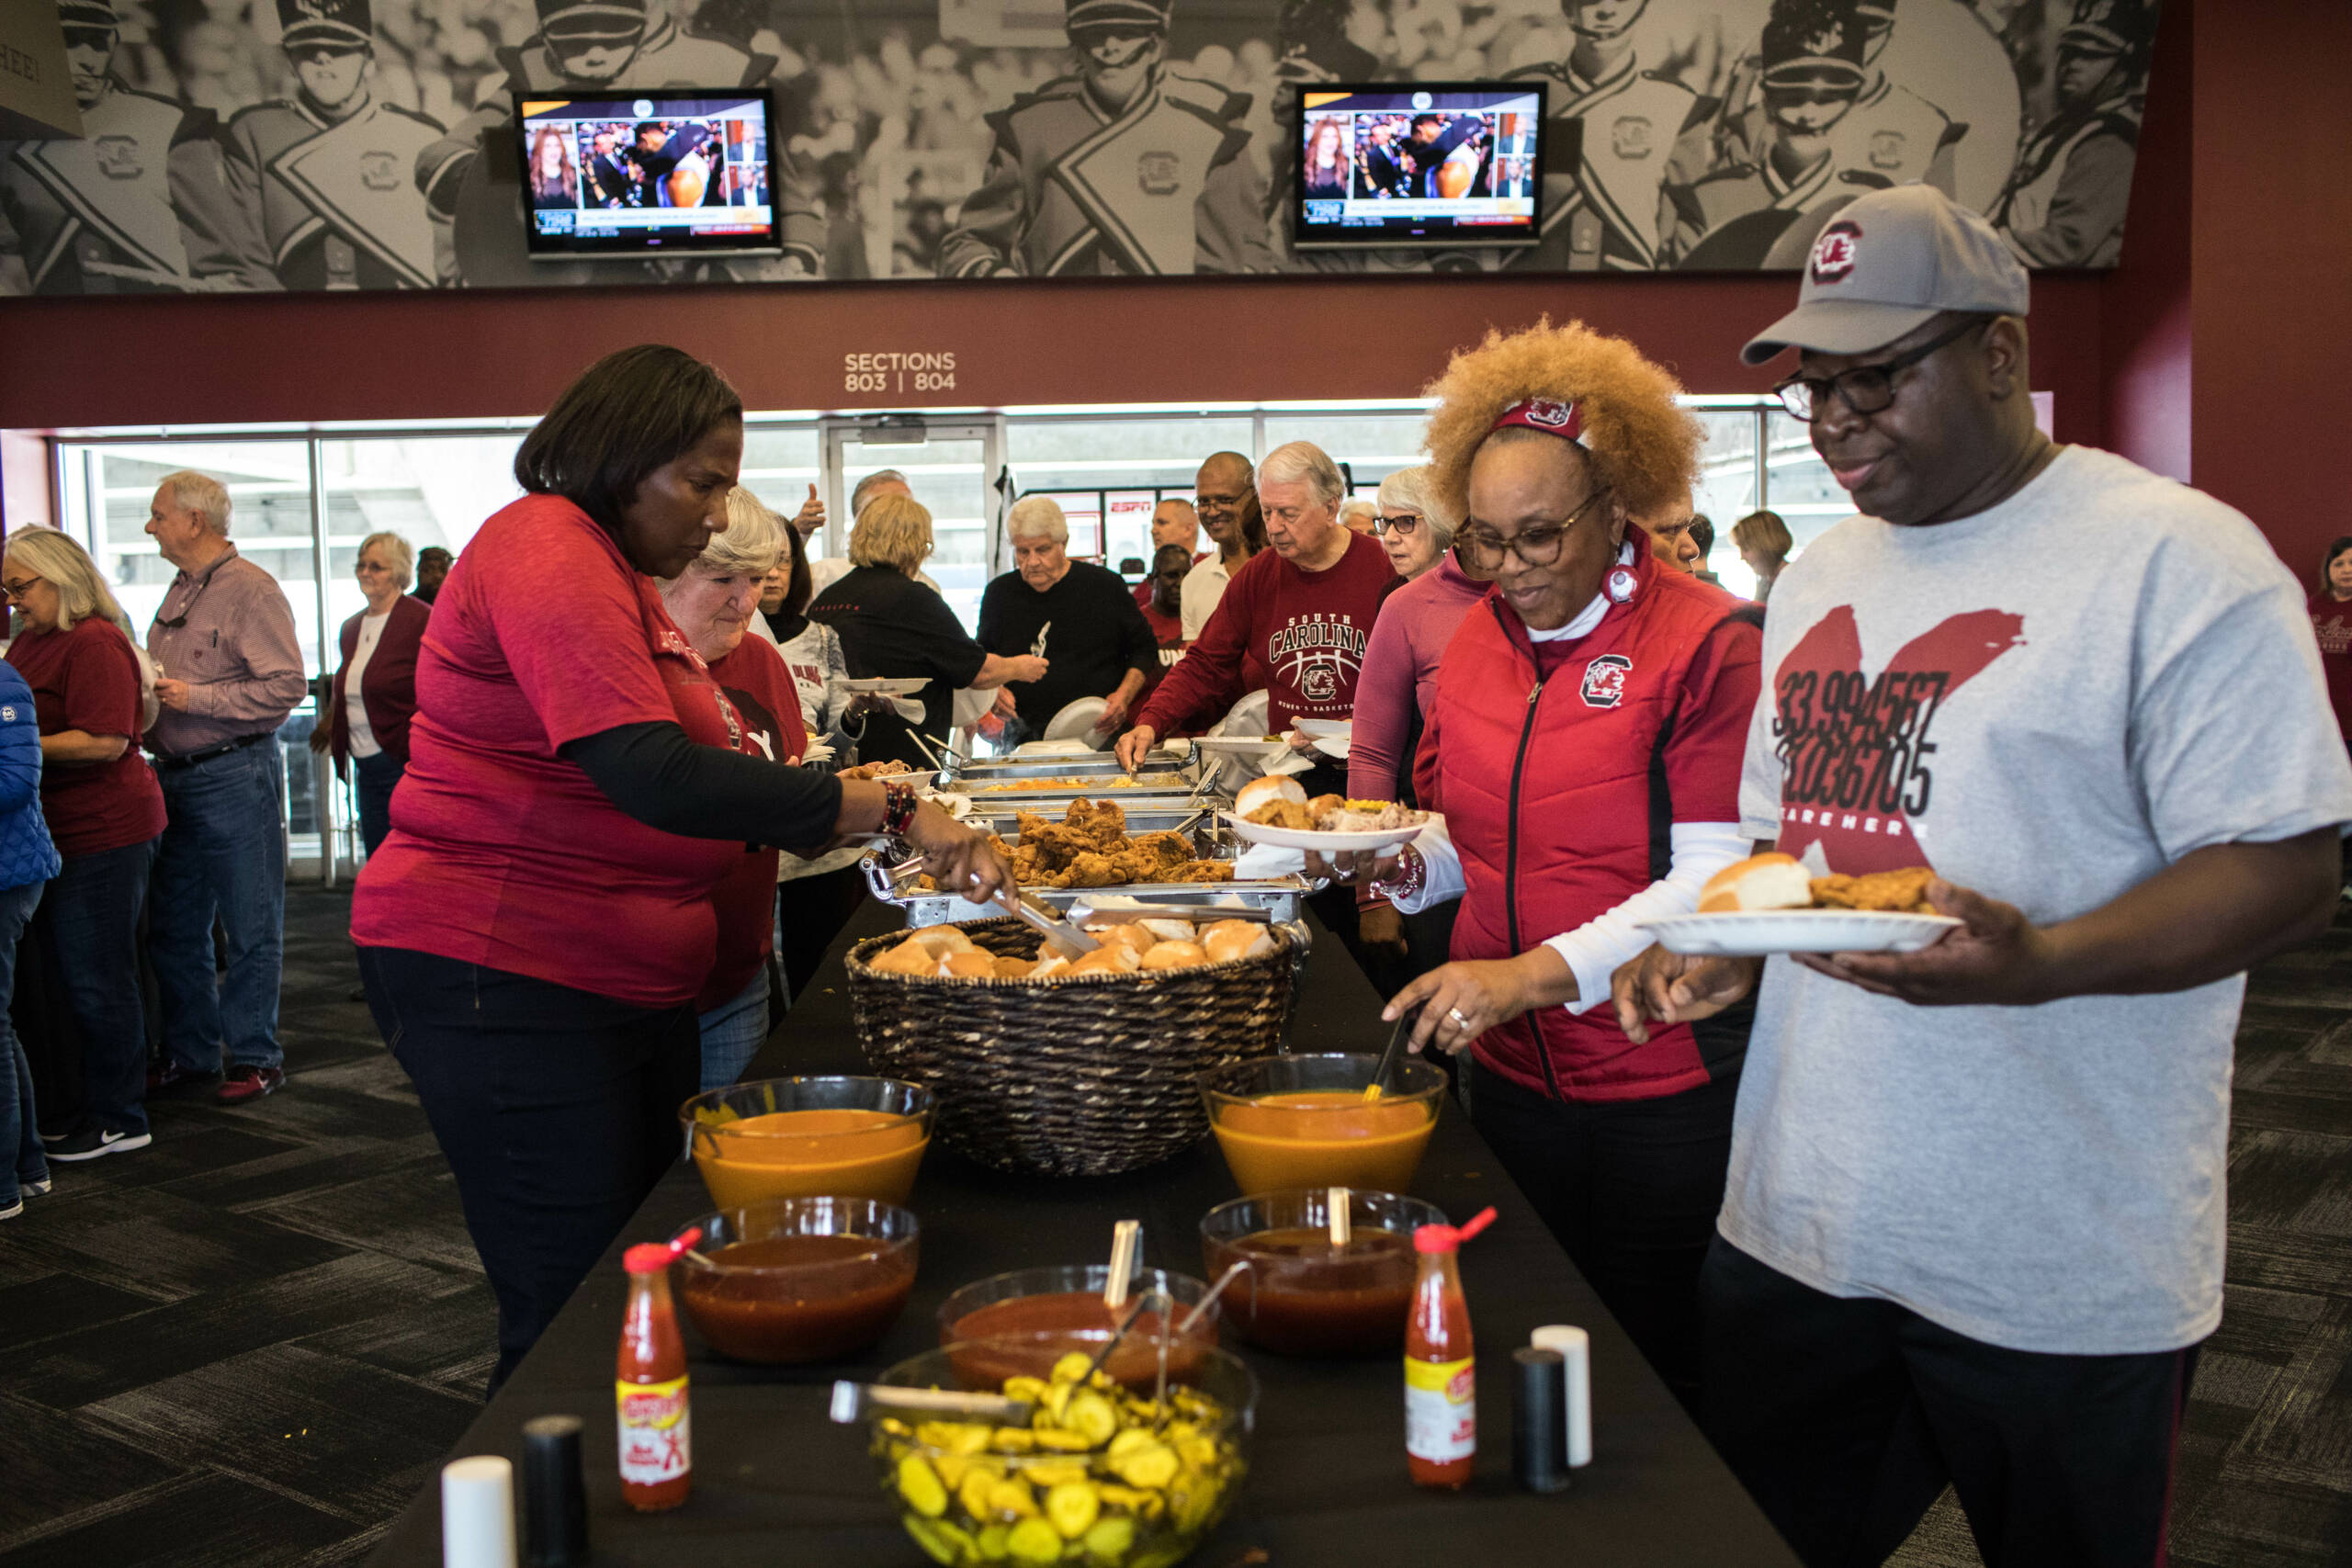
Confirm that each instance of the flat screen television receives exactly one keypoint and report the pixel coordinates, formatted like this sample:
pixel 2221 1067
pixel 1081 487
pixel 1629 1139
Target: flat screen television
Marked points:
pixel 681 172
pixel 1427 165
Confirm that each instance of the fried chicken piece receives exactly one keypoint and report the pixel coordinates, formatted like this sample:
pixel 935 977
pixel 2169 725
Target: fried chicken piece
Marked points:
pixel 1284 813
pixel 1322 805
pixel 1163 848
pixel 1091 870
pixel 1102 821
pixel 1199 871
pixel 1901 892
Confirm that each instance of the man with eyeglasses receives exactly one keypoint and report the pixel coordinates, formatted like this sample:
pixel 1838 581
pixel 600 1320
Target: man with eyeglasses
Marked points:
pixel 231 670
pixel 1226 491
pixel 1173 522
pixel 1973 1232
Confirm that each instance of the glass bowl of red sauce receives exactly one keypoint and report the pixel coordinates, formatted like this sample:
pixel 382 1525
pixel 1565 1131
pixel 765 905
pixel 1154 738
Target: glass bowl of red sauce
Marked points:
pixel 1302 1296
pixel 1303 1120
pixel 799 1280
pixel 1052 1311
pixel 806 1137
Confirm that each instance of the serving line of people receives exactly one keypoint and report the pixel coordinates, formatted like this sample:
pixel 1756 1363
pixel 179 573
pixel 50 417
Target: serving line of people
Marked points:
pixel 1892 1222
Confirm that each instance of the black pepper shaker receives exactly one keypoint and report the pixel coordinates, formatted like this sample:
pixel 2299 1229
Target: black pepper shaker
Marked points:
pixel 555 1499
pixel 1539 1394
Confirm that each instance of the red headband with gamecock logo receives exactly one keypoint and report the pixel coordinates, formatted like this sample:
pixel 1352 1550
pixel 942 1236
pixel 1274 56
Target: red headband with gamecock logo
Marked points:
pixel 1549 415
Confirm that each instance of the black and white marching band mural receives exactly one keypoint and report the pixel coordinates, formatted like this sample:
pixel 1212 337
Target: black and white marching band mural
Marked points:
pixel 235 145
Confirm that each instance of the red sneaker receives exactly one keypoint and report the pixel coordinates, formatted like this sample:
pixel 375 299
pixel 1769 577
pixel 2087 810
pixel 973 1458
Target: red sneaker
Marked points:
pixel 244 1083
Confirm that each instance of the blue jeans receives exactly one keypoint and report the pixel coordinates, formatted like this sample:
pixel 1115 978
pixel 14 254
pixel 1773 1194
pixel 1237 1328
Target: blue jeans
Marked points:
pixel 21 1160
pixel 223 854
pixel 374 777
pixel 90 918
pixel 731 1033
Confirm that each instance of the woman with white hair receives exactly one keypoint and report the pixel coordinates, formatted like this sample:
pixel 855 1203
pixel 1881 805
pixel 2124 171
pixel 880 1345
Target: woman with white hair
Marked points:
pixel 105 812
pixel 712 602
pixel 1393 697
pixel 365 725
pixel 892 626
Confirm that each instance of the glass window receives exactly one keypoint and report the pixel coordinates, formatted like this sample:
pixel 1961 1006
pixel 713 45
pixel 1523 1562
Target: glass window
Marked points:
pixel 430 490
pixel 946 474
pixel 1726 488
pixel 1798 486
pixel 781 467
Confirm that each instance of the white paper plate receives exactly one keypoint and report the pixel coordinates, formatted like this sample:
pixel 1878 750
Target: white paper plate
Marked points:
pixel 1077 720
pixel 1332 746
pixel 1326 729
pixel 1242 745
pixel 889 685
pixel 1251 832
pixel 1054 749
pixel 1753 933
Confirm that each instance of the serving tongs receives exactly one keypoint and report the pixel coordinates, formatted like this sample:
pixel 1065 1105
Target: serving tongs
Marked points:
pixel 1063 934
pixel 852 1401
pixel 1083 911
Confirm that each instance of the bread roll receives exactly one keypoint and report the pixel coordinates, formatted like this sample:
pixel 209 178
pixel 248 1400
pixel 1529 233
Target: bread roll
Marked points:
pixel 1138 938
pixel 1257 792
pixel 1769 881
pixel 1052 964
pixel 1236 938
pixel 1171 931
pixel 1111 958
pixel 910 957
pixel 1175 955
pixel 969 964
pixel 1015 968
pixel 941 941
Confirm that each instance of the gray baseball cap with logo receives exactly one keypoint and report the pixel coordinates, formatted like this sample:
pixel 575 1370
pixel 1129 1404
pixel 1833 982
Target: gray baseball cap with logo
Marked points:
pixel 1889 262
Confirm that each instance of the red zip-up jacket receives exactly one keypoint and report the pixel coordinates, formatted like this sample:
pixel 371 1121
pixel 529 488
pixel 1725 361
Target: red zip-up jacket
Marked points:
pixel 1561 768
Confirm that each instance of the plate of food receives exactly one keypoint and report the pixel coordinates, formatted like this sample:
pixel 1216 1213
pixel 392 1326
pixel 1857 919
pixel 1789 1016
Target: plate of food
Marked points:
pixel 1277 811
pixel 1771 903
pixel 889 685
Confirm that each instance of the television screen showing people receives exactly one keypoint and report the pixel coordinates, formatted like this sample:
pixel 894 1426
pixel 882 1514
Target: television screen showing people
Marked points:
pixel 647 174
pixel 1420 165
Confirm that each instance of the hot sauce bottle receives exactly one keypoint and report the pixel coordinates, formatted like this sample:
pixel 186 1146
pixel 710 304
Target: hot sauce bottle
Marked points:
pixel 649 1384
pixel 1440 1390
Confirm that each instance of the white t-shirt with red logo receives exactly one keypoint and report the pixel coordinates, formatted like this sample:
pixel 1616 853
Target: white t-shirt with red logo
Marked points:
pixel 2048 702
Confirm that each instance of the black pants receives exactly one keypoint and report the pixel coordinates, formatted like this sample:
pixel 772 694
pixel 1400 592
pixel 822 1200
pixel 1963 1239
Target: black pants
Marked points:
pixel 557 1109
pixel 812 911
pixel 1845 1419
pixel 1632 1189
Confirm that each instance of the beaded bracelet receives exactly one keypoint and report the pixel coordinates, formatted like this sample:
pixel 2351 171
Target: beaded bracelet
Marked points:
pixel 898 804
pixel 1412 872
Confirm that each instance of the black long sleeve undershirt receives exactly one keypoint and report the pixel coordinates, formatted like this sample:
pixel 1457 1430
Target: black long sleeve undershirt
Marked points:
pixel 654 773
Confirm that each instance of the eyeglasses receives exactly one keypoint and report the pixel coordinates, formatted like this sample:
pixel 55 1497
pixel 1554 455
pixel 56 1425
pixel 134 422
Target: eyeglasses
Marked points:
pixel 1539 546
pixel 1402 522
pixel 21 587
pixel 1866 389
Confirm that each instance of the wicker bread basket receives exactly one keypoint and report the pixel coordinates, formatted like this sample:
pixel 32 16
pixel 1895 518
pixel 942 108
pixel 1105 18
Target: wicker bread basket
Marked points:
pixel 1089 1077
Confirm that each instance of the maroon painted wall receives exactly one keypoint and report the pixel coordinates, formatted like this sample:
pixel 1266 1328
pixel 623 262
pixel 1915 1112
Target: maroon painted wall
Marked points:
pixel 2147 318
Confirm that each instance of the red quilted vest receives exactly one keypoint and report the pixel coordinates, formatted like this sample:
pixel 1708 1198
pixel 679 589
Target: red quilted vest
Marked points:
pixel 1553 793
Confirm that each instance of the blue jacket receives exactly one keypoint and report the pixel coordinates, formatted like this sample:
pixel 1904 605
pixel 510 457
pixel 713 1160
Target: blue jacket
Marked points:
pixel 26 854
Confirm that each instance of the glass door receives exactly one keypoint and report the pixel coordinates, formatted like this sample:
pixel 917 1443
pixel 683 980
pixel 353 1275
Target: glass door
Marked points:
pixel 951 466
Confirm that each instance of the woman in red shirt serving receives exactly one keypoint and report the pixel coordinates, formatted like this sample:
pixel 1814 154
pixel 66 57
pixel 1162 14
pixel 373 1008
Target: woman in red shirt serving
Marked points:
pixel 1586 727
pixel 536 930
pixel 105 810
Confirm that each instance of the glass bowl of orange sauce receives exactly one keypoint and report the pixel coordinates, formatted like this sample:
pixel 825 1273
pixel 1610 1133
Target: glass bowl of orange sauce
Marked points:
pixel 1058 1309
pixel 810 1138
pixel 1303 1120
pixel 1303 1295
pixel 799 1280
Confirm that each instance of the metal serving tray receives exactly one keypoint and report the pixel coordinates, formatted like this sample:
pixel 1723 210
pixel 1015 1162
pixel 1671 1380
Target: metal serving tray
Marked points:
pixel 1151 786
pixel 1280 898
pixel 1090 766
pixel 1145 813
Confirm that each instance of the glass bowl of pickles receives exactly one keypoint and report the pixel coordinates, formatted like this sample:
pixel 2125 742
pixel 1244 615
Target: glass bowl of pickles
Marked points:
pixel 1109 1475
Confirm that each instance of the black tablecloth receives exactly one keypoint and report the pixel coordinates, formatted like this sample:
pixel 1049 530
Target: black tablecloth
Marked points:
pixel 775 1483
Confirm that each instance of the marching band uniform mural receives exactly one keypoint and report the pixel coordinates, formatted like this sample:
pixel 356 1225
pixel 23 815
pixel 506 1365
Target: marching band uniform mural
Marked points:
pixel 1698 133
pixel 322 178
pixel 1614 137
pixel 2065 204
pixel 1126 168
pixel 135 206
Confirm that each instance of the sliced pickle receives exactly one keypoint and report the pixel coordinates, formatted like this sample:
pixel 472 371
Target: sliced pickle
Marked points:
pixel 1109 1540
pixel 1092 1416
pixel 1151 1466
pixel 1034 1540
pixel 920 1486
pixel 1072 1509
pixel 1072 1367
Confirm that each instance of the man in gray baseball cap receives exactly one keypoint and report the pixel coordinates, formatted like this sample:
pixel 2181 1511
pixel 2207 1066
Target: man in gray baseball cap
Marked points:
pixel 1971 1233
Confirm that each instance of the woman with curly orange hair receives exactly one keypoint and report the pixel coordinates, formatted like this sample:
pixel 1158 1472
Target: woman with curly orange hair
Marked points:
pixel 1585 740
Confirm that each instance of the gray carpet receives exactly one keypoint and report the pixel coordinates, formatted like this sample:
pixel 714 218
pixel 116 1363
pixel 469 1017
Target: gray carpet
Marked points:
pixel 253 1342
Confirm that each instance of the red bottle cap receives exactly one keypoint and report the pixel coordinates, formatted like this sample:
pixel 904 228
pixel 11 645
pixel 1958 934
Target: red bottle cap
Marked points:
pixel 652 1256
pixel 1446 1238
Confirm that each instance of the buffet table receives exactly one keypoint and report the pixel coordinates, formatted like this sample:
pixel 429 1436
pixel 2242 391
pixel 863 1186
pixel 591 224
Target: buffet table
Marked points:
pixel 775 1483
